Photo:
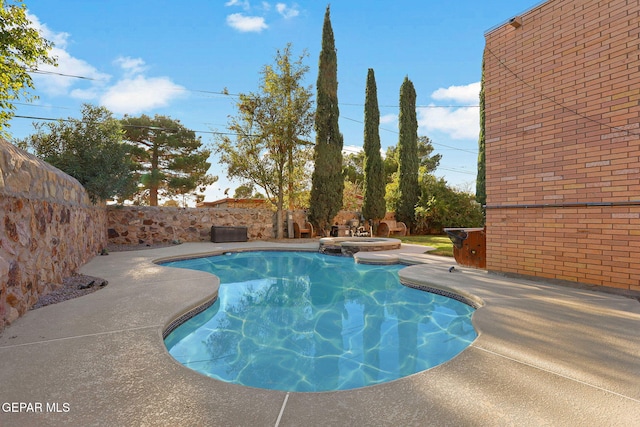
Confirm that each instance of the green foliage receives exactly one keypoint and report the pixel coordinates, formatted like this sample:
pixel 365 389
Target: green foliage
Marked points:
pixel 271 147
pixel 481 190
pixel 246 191
pixel 21 50
pixel 170 160
pixel 353 167
pixel 352 196
pixel 407 155
pixel 374 206
pixel 91 150
pixel 426 162
pixel 441 206
pixel 442 244
pixel 327 183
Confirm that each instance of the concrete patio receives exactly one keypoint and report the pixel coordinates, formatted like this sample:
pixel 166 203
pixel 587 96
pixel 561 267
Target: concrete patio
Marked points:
pixel 545 355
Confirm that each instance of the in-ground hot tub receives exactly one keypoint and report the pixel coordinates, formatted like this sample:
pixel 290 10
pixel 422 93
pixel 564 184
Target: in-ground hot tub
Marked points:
pixel 350 245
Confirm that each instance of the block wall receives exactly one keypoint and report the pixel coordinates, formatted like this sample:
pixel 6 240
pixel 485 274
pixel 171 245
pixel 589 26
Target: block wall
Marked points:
pixel 562 127
pixel 133 225
pixel 48 229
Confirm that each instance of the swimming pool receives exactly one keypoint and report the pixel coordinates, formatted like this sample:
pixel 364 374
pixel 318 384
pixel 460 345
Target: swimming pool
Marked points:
pixel 304 321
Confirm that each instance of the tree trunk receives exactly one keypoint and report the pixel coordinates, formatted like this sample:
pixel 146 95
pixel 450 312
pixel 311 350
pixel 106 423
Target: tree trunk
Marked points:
pixel 279 218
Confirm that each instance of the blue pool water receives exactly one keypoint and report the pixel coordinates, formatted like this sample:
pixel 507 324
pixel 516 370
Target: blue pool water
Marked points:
pixel 298 321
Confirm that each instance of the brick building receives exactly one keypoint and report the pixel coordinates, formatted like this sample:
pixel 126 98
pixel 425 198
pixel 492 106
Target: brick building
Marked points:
pixel 562 129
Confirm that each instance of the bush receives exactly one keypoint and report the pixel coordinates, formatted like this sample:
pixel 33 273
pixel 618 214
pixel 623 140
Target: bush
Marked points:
pixel 441 206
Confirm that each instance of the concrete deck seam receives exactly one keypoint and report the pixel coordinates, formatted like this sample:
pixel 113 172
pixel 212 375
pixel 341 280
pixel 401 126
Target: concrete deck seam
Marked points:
pixel 558 374
pixel 97 334
pixel 284 404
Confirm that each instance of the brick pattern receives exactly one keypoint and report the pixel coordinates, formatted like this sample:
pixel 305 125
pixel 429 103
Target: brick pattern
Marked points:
pixel 562 96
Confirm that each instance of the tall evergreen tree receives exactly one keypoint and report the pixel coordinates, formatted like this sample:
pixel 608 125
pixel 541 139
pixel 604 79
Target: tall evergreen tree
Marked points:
pixel 408 161
pixel 481 191
pixel 171 160
pixel 374 206
pixel 327 183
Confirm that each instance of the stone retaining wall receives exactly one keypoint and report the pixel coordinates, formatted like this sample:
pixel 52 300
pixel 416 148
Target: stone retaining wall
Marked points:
pixel 48 229
pixel 134 225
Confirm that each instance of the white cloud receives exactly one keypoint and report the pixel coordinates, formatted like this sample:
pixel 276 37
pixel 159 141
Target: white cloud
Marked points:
pixel 133 95
pixel 287 12
pixel 463 94
pixel 131 66
pixel 245 24
pixel 242 3
pixel 351 149
pixel 59 39
pixel 135 92
pixel 458 123
pixel 54 83
pixel 388 119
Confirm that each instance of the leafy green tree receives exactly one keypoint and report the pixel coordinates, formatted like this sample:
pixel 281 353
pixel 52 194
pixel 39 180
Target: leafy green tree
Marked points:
pixel 407 155
pixel 327 183
pixel 170 158
pixel 90 149
pixel 353 167
pixel 374 206
pixel 271 147
pixel 21 50
pixel 481 191
pixel 246 191
pixel 442 206
pixel 428 163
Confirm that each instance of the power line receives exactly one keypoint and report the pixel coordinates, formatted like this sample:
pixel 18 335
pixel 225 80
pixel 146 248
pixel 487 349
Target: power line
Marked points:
pixel 225 92
pixel 62 74
pixel 396 132
pixel 130 126
pixel 558 103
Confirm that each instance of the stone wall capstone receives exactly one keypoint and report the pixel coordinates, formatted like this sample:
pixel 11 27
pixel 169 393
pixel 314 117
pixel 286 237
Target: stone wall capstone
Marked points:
pixel 48 229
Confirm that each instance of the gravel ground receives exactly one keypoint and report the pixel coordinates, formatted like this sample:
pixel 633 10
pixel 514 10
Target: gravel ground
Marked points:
pixel 78 285
pixel 72 287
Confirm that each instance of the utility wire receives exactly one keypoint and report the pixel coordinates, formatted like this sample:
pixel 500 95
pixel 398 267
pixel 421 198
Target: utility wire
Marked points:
pixel 129 126
pixel 61 74
pixel 396 132
pixel 236 95
pixel 558 103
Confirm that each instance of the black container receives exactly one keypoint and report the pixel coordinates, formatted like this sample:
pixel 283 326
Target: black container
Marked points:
pixel 220 234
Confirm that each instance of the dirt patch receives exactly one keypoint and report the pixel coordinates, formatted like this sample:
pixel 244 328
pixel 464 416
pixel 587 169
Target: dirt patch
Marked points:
pixel 72 287
pixel 78 285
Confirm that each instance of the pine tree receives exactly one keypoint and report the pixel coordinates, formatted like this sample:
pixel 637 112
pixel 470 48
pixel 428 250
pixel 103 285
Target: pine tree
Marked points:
pixel 170 158
pixel 374 206
pixel 408 161
pixel 327 183
pixel 481 191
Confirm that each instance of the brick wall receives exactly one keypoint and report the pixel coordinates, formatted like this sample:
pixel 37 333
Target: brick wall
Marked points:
pixel 562 96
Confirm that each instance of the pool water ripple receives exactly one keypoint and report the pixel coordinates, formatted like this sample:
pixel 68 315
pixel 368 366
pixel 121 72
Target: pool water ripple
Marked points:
pixel 312 322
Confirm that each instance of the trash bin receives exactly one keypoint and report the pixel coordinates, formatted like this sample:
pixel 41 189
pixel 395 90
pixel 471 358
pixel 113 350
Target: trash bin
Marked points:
pixel 469 246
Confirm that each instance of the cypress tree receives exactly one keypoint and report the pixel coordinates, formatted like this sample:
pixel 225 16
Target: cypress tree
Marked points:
pixel 327 183
pixel 481 190
pixel 374 206
pixel 408 162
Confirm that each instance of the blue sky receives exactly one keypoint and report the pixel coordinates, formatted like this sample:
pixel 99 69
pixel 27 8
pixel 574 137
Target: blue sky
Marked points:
pixel 170 58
